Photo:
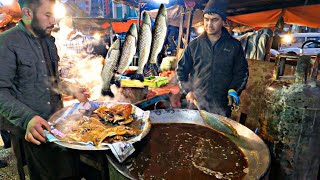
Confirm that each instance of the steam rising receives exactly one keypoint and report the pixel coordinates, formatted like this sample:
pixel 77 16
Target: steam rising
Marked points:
pixel 202 101
pixel 76 64
pixel 83 69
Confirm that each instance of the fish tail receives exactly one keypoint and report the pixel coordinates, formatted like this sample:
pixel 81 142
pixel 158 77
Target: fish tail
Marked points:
pixel 153 60
pixel 152 70
pixel 140 69
pixel 137 76
pixel 116 82
pixel 107 92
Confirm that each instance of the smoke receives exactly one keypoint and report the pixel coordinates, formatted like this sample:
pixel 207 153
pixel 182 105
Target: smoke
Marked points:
pixel 206 101
pixel 128 95
pixel 76 64
pixel 81 68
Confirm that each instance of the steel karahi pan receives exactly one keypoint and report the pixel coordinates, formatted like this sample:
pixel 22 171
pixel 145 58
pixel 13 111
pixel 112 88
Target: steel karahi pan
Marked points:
pixel 253 147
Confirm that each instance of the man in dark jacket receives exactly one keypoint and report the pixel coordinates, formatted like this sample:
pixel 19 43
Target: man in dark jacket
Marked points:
pixel 213 69
pixel 30 89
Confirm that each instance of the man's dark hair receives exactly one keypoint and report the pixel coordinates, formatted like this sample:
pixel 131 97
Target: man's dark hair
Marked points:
pixel 32 4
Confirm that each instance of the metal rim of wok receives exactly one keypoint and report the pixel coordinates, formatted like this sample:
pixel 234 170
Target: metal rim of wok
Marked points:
pixel 253 147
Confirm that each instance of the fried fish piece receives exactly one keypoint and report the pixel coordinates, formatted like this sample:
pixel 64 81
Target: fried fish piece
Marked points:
pixel 127 121
pixel 124 110
pixel 85 129
pixel 116 113
pixel 92 130
pixel 126 131
pixel 114 139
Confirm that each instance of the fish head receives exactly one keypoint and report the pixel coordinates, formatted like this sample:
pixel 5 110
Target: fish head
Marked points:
pixel 146 19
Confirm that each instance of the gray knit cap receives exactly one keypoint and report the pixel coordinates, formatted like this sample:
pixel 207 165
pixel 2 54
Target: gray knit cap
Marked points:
pixel 217 7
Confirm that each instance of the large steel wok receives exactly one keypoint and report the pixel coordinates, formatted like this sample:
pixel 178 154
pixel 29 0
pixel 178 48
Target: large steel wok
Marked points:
pixel 253 147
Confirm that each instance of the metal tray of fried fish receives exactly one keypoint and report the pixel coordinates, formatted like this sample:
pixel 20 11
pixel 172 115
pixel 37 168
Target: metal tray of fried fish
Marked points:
pixel 87 109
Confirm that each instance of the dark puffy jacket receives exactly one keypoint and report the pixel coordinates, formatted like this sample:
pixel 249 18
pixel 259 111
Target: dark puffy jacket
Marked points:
pixel 25 90
pixel 210 71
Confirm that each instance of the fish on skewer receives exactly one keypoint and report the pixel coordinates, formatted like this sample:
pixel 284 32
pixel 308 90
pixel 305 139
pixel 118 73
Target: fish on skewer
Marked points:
pixel 158 37
pixel 128 49
pixel 144 45
pixel 109 67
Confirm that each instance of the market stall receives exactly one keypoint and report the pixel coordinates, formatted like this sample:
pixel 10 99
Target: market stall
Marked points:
pixel 159 86
pixel 143 88
pixel 241 19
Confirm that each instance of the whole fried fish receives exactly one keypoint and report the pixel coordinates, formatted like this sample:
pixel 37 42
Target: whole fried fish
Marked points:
pixel 128 49
pixel 158 37
pixel 109 67
pixel 144 45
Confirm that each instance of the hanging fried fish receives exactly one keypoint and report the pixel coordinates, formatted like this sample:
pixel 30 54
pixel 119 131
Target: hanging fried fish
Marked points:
pixel 144 45
pixel 109 67
pixel 158 37
pixel 128 49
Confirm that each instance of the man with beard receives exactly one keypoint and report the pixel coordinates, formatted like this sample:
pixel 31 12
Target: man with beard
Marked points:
pixel 30 90
pixel 213 69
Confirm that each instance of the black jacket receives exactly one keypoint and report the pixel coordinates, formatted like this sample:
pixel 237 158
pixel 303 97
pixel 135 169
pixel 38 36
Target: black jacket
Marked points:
pixel 210 71
pixel 25 88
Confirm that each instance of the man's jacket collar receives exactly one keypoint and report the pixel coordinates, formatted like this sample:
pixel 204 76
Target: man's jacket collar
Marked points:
pixel 24 29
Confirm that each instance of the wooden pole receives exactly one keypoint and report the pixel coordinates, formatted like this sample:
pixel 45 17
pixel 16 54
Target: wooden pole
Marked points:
pixel 189 25
pixel 111 34
pixel 181 29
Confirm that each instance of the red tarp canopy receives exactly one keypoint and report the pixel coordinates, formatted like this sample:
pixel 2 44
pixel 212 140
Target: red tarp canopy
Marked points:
pixel 120 27
pixel 254 13
pixel 307 15
pixel 302 15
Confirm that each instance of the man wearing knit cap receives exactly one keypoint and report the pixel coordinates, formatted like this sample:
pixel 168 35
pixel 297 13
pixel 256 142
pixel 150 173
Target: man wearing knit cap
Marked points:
pixel 213 69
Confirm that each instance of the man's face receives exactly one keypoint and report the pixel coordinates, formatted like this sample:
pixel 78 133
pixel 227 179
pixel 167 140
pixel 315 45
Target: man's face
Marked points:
pixel 212 23
pixel 43 19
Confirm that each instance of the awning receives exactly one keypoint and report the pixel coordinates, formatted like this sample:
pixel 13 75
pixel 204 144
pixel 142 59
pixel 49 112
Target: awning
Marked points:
pixel 120 27
pixel 235 7
pixel 302 15
pixel 307 15
pixel 174 14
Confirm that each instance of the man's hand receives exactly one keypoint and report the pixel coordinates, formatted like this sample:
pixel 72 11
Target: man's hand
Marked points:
pixel 175 100
pixel 34 132
pixel 190 97
pixel 82 94
pixel 233 98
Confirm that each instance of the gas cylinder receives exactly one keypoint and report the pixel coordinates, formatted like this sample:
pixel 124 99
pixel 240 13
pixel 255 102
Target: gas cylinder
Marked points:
pixel 290 124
